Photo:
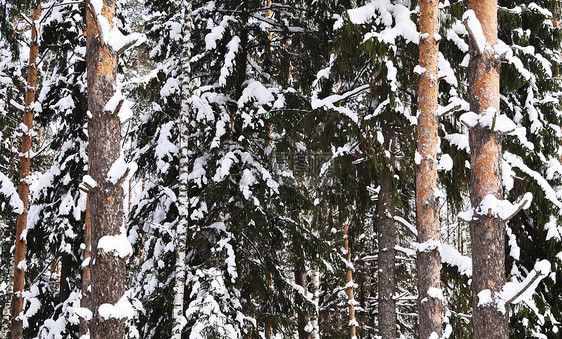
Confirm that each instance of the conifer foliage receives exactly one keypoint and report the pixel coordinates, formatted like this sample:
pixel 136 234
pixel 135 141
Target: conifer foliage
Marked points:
pixel 280 169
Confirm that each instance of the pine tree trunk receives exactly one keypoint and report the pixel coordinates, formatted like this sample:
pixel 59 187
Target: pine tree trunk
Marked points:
pixel 86 298
pixel 386 243
pixel 66 261
pixel 25 168
pixel 183 199
pixel 349 289
pixel 300 279
pixel 488 232
pixel 427 205
pixel 106 199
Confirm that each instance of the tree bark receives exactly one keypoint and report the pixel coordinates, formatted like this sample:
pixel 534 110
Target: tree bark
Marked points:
pixel 183 198
pixel 488 232
pixel 316 299
pixel 300 279
pixel 427 205
pixel 65 263
pixel 349 281
pixel 85 301
pixel 7 306
pixel 386 242
pixel 106 199
pixel 25 168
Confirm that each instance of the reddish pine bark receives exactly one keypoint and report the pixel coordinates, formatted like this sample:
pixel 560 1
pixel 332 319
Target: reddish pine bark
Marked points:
pixel 349 279
pixel 427 206
pixel 106 199
pixel 488 232
pixel 25 168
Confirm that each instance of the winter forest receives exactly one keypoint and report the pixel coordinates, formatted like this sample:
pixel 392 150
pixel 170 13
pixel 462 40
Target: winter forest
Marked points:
pixel 280 169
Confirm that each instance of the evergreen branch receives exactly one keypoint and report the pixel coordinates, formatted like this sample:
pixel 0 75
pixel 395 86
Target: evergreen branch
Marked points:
pixel 123 177
pixel 519 208
pixel 128 45
pixel 450 110
pixel 525 288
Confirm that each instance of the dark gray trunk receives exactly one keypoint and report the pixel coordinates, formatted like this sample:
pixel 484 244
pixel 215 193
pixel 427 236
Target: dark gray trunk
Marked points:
pixel 386 242
pixel 300 279
pixel 106 199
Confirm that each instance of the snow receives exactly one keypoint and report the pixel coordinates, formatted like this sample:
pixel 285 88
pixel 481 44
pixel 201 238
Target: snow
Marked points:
pixel 391 74
pixel 83 313
pixel 172 86
pixel 428 246
pixel 475 30
pixel 485 298
pixel 453 35
pixel 419 70
pixel 489 118
pixel 404 222
pixel 229 60
pixel 8 190
pixel 330 101
pixel 451 256
pixel 118 41
pixel 446 71
pixel 97 6
pixel 110 34
pixel 89 181
pixel 528 286
pixel 216 33
pixel 255 90
pixel 121 310
pixel 445 163
pixel 552 229
pixel 118 245
pixel 502 208
pixel 458 140
pixel 466 215
pixel 435 293
pixel 516 161
pixel 125 112
pixel 224 166
pixel 417 158
pixel 22 265
pixel 118 170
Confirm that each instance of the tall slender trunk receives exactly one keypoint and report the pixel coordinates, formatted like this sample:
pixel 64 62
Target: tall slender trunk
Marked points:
pixel 316 299
pixel 427 206
pixel 104 148
pixel 349 285
pixel 386 243
pixel 268 326
pixel 487 231
pixel 7 306
pixel 65 271
pixel 86 300
pixel 183 199
pixel 300 279
pixel 25 168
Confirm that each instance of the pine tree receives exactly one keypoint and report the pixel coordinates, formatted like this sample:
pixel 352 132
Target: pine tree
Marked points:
pixel 23 188
pixel 109 243
pixel 427 204
pixel 487 228
pixel 56 219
